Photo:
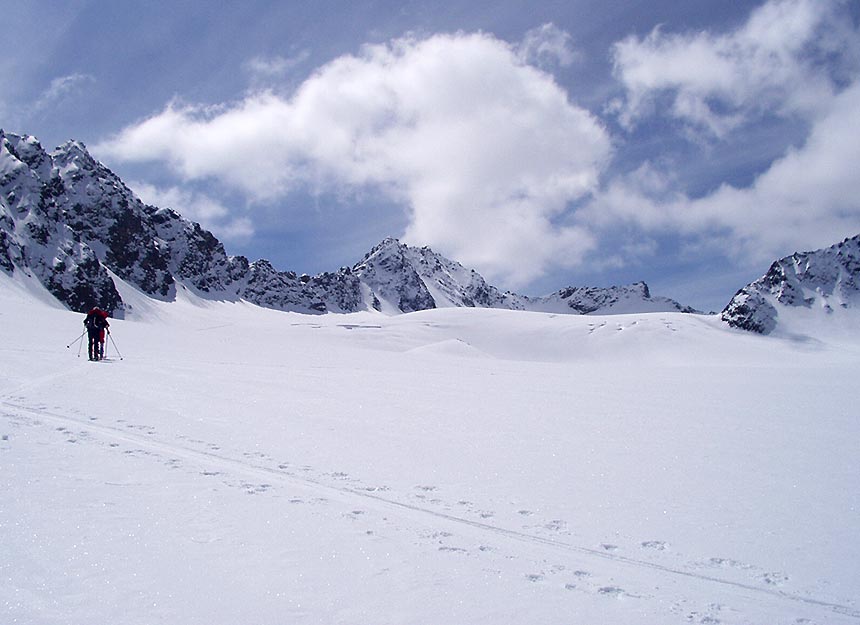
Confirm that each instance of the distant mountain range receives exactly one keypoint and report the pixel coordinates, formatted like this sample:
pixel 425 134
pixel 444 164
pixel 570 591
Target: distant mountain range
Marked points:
pixel 73 224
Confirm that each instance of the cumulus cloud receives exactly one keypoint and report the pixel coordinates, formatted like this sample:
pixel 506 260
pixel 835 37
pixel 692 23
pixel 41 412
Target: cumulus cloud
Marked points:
pixel 483 150
pixel 495 167
pixel 198 207
pixel 786 59
pixel 797 58
pixel 807 198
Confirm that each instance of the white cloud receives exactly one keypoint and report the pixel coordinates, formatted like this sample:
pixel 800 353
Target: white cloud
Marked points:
pixel 61 88
pixel 783 60
pixel 267 71
pixel 276 66
pixel 484 151
pixel 495 167
pixel 548 45
pixel 806 199
pixel 809 197
pixel 198 207
pixel 791 58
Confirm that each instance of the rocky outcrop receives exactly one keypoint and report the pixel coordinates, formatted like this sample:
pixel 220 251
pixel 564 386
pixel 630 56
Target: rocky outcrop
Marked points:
pixel 632 298
pixel 825 280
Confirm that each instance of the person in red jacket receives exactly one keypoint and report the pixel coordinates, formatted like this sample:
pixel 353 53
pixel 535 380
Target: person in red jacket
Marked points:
pixel 96 324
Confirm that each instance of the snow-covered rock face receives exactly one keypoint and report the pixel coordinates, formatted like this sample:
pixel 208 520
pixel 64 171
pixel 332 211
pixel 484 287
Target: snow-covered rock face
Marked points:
pixel 388 273
pixel 633 298
pixel 402 278
pixel 46 207
pixel 71 222
pixel 824 280
pixel 67 219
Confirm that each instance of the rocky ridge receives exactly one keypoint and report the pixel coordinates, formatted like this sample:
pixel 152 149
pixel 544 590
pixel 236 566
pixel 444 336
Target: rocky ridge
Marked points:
pixel 72 223
pixel 827 279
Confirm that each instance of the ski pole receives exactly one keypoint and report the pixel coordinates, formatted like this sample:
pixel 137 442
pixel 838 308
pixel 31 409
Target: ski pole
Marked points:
pixel 76 340
pixel 110 336
pixel 81 345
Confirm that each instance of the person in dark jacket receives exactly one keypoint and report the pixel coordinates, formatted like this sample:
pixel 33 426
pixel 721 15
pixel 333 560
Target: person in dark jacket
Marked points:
pixel 96 323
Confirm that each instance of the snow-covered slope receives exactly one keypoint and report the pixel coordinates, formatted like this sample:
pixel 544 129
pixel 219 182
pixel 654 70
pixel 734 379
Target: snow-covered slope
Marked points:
pixel 72 223
pixel 234 464
pixel 800 289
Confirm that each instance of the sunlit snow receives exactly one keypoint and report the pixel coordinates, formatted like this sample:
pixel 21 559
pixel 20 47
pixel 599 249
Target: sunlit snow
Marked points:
pixel 229 464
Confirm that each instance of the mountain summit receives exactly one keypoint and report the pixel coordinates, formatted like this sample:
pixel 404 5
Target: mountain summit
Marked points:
pixel 821 282
pixel 73 224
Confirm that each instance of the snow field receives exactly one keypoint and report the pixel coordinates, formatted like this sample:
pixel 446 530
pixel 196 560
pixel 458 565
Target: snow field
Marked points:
pixel 241 465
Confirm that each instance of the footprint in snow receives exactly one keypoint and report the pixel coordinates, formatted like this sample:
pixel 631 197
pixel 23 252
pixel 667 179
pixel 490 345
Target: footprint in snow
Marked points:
pixel 375 489
pixel 609 548
pixel 435 535
pixel 728 563
pixel 707 619
pixel 658 545
pixel 774 579
pixel 556 525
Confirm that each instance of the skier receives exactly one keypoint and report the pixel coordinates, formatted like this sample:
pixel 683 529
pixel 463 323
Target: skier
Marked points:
pixel 96 323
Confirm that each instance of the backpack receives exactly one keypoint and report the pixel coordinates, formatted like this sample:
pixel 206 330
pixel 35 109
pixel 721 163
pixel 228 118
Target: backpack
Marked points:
pixel 94 321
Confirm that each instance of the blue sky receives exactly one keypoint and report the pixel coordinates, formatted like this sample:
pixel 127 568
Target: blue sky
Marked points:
pixel 546 144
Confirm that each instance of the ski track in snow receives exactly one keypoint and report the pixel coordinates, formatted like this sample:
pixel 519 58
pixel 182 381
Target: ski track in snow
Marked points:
pixel 212 461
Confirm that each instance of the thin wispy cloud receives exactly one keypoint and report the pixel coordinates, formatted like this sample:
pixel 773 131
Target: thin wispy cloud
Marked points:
pixel 548 45
pixel 273 71
pixel 61 88
pixel 198 207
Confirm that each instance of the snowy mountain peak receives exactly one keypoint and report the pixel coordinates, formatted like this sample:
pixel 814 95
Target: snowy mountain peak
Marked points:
pixel 406 279
pixel 824 280
pixel 24 148
pixel 390 277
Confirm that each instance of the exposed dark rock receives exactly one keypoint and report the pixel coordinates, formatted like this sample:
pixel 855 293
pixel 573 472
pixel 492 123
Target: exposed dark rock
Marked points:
pixel 827 278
